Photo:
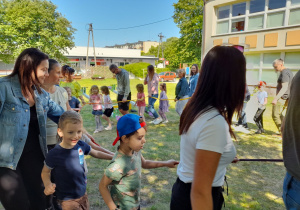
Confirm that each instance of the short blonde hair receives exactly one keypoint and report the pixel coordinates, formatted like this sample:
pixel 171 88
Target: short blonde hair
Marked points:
pixel 181 71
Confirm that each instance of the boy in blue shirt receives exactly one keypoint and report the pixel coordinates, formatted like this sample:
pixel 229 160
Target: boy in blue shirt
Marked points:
pixel 65 162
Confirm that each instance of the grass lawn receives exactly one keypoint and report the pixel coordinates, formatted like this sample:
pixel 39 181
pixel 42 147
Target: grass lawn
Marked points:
pixel 252 185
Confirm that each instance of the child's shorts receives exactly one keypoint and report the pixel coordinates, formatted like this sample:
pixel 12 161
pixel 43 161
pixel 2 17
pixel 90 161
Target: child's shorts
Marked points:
pixel 108 112
pixel 97 112
pixel 79 203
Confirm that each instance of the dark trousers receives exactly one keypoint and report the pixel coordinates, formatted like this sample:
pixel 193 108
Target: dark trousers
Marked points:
pixel 23 188
pixel 258 118
pixel 181 196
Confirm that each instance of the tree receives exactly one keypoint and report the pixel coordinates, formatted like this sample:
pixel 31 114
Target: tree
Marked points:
pixel 188 16
pixel 171 52
pixel 33 23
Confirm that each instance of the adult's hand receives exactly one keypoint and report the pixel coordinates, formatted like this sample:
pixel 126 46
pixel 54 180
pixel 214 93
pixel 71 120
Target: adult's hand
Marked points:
pixel 124 100
pixel 235 160
pixel 274 102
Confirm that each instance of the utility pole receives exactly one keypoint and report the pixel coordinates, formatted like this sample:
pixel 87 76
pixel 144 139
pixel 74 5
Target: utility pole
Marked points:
pixel 162 49
pixel 87 53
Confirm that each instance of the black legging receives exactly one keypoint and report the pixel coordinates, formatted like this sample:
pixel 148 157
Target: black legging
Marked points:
pixel 23 188
pixel 258 118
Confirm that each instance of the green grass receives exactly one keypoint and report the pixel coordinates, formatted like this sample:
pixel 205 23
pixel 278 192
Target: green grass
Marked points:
pixel 252 185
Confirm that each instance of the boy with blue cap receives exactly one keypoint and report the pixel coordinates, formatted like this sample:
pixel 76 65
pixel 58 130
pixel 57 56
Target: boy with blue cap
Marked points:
pixel 124 171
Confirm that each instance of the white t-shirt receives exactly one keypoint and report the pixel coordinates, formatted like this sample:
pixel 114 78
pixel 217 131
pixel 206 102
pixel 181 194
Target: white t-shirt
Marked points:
pixel 107 102
pixel 60 96
pixel 208 132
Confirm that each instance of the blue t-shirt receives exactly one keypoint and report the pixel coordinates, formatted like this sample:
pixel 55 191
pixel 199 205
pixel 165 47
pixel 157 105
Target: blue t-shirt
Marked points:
pixel 74 102
pixel 261 95
pixel 68 170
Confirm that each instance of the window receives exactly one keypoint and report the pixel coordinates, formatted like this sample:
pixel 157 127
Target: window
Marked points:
pixel 269 58
pixel 295 2
pixel 239 9
pixel 275 19
pixel 275 4
pixel 257 6
pixel 256 22
pixel 253 61
pixel 238 25
pixel 122 63
pixel 294 17
pixel 292 60
pixel 269 76
pixel 252 76
pixel 167 74
pixel 222 27
pixel 223 12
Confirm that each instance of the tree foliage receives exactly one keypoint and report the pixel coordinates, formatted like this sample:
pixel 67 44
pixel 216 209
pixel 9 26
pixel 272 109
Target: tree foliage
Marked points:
pixel 188 16
pixel 171 52
pixel 33 23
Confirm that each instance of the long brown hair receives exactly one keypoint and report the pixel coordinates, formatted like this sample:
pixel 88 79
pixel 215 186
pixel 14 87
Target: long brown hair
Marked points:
pixel 150 72
pixel 26 63
pixel 197 70
pixel 221 85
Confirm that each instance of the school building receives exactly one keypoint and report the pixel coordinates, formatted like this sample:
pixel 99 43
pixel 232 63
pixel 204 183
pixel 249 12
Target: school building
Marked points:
pixel 267 29
pixel 104 57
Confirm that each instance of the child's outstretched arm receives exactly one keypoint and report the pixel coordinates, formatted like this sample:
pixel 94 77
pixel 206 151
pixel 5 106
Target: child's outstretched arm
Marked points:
pixel 101 149
pixel 49 186
pixel 103 188
pixel 100 155
pixel 147 164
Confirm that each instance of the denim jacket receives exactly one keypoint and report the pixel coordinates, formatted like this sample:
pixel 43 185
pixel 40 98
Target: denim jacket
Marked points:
pixel 182 88
pixel 193 84
pixel 15 117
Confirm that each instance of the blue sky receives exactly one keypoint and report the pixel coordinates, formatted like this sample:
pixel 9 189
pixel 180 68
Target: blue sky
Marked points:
pixel 119 14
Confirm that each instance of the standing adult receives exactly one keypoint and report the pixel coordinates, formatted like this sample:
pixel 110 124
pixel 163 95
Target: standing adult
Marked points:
pixel 282 93
pixel 152 80
pixel 193 79
pixel 181 92
pixel 291 148
pixel 24 108
pixel 206 147
pixel 57 94
pixel 123 88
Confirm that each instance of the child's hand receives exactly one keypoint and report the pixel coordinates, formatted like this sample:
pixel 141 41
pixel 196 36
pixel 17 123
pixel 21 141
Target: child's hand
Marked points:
pixel 50 189
pixel 171 163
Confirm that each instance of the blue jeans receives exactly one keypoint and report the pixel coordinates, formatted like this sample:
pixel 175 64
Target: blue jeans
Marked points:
pixel 151 102
pixel 291 192
pixel 243 119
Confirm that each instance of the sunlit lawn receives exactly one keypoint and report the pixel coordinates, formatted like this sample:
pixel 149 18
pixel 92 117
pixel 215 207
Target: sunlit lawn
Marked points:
pixel 252 185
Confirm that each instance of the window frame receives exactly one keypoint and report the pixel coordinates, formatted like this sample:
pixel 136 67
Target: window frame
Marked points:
pixel 247 15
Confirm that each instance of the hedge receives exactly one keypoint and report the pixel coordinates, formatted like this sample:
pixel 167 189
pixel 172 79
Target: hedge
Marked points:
pixel 137 69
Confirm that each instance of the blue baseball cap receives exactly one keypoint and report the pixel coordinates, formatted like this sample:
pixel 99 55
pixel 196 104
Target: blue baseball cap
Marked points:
pixel 128 124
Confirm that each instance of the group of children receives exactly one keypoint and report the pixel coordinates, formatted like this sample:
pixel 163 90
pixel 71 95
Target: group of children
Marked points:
pixel 163 101
pixel 64 172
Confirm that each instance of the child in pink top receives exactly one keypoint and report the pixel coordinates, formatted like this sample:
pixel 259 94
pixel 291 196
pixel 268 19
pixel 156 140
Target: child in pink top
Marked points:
pixel 140 102
pixel 96 97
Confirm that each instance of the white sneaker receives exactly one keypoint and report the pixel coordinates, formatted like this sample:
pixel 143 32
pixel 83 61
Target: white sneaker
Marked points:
pixel 108 128
pixel 166 121
pixel 96 131
pixel 152 121
pixel 157 121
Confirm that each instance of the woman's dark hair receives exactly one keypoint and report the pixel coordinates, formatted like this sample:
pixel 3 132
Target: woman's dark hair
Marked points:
pixel 221 85
pixel 52 63
pixel 150 69
pixel 67 71
pixel 197 70
pixel 26 63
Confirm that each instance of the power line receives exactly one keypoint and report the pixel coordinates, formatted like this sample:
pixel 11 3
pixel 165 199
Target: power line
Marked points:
pixel 115 29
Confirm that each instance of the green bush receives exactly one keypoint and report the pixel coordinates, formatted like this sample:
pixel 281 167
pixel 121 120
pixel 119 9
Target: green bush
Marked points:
pixel 96 75
pixel 137 68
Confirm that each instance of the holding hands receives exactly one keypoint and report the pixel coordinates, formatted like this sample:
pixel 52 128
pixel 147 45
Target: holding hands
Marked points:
pixel 50 189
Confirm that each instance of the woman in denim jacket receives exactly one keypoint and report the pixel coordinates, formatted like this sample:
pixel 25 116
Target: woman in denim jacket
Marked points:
pixel 193 79
pixel 24 108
